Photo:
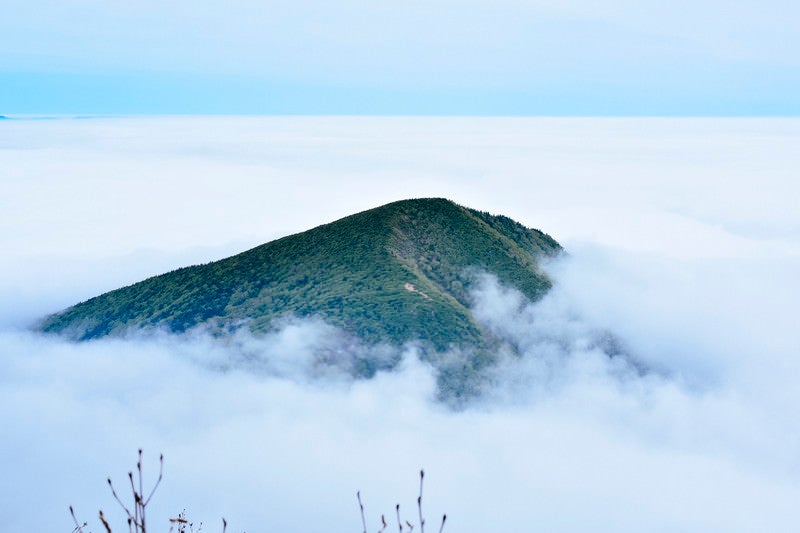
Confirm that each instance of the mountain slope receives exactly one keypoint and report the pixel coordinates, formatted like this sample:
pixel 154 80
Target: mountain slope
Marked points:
pixel 392 274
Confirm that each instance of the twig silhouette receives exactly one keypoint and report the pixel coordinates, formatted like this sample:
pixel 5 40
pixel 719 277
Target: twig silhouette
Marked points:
pixel 419 502
pixel 400 521
pixel 361 506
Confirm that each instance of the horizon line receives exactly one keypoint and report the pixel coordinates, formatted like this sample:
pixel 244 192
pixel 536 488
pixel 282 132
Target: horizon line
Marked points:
pixel 90 116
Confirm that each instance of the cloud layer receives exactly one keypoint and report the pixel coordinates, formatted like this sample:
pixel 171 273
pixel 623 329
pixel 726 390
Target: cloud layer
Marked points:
pixel 699 288
pixel 259 432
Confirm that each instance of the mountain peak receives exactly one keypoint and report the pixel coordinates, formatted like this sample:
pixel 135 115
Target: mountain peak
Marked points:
pixel 396 273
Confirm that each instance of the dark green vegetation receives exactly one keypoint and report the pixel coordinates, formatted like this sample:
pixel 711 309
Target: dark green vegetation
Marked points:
pixel 397 273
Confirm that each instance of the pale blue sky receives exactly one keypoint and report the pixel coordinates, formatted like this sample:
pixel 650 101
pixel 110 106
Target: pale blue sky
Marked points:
pixel 509 57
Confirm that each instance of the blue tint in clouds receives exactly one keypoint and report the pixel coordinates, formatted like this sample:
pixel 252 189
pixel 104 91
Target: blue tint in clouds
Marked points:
pixel 684 241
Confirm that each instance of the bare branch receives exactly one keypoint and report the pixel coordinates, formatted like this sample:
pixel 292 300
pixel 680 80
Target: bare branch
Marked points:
pixel 158 481
pixel 141 492
pixel 78 526
pixel 114 492
pixel 361 506
pixel 104 521
pixel 399 523
pixel 419 502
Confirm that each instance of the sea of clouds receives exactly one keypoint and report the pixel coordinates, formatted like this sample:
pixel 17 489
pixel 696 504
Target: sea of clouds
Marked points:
pixel 684 249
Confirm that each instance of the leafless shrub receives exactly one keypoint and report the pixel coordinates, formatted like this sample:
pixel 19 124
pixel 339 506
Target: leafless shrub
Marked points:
pixel 136 513
pixel 400 521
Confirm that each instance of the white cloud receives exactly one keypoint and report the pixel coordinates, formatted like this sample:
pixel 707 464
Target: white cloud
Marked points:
pixel 683 239
pixel 112 186
pixel 285 447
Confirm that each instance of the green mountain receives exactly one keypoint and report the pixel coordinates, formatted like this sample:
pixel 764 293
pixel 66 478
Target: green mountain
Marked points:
pixel 396 273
